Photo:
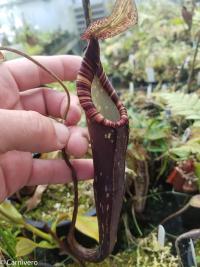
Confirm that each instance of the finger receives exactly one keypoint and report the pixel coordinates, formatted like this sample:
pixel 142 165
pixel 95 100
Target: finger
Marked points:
pixel 18 169
pixel 56 171
pixel 15 170
pixel 78 141
pixel 50 102
pixel 28 75
pixel 30 131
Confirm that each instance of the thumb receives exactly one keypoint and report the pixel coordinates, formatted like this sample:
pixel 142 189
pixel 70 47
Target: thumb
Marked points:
pixel 30 131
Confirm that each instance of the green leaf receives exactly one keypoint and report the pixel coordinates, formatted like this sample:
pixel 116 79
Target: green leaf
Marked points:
pixel 9 213
pixel 157 131
pixel 88 225
pixel 156 135
pixel 85 224
pixel 24 247
pixel 184 151
pixel 181 152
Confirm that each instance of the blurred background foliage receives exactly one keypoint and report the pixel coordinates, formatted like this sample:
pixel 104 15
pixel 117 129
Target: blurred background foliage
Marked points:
pixel 161 41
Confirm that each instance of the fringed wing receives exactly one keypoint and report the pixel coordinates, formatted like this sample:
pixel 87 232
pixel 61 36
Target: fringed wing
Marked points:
pixel 123 16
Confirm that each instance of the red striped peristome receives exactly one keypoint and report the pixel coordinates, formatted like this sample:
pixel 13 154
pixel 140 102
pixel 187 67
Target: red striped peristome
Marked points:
pixel 91 67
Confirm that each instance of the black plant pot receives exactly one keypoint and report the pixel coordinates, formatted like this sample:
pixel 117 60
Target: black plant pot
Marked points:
pixel 191 218
pixel 157 209
pixel 186 254
pixel 185 245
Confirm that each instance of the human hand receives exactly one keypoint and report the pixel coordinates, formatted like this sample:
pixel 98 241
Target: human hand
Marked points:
pixel 26 128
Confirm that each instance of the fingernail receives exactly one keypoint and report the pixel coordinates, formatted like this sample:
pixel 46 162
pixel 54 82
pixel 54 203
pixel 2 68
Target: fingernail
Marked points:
pixel 62 133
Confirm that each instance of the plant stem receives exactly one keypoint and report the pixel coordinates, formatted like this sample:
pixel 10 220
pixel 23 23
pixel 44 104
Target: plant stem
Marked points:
pixel 135 221
pixel 193 65
pixel 87 11
pixel 38 232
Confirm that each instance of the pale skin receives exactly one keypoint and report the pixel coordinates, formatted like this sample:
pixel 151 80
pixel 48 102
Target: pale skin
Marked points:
pixel 26 126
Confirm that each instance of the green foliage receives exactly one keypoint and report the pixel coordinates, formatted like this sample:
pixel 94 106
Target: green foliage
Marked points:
pixel 185 105
pixel 88 225
pixel 8 241
pixel 160 41
pixel 10 214
pixel 184 151
pixel 157 129
pixel 21 246
pixel 26 246
pixel 152 133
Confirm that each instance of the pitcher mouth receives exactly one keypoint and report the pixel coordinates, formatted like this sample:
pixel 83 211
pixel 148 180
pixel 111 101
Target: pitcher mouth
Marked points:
pixel 84 88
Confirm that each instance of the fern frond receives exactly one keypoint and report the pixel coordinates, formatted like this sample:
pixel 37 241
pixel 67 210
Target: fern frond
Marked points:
pixel 186 105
